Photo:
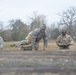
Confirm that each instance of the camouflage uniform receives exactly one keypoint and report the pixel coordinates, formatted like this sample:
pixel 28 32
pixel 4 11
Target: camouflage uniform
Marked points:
pixel 33 38
pixel 1 43
pixel 64 41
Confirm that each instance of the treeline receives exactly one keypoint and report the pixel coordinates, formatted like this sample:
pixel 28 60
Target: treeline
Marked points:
pixel 18 30
pixel 67 21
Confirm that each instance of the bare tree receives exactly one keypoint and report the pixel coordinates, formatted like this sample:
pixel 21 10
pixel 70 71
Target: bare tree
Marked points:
pixel 37 20
pixel 67 18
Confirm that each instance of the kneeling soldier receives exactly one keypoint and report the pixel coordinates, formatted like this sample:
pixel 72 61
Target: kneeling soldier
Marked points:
pixel 64 40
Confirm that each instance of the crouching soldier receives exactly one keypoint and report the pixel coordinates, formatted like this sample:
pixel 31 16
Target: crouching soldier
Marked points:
pixel 64 40
pixel 34 37
pixel 1 43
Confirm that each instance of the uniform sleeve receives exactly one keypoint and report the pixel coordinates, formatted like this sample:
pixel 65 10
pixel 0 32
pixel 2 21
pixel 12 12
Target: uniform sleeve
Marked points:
pixel 45 40
pixel 71 40
pixel 1 42
pixel 58 41
pixel 34 36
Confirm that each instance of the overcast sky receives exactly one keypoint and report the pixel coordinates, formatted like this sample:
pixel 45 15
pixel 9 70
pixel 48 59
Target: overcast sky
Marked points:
pixel 21 9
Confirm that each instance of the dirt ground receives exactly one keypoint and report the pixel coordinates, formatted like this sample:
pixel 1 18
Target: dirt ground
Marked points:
pixel 53 61
pixel 18 62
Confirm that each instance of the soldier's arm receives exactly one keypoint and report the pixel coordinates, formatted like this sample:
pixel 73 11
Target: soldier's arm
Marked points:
pixel 34 36
pixel 45 40
pixel 71 40
pixel 2 40
pixel 58 41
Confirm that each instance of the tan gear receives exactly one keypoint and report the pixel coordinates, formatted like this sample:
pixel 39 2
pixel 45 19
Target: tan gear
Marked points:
pixel 64 41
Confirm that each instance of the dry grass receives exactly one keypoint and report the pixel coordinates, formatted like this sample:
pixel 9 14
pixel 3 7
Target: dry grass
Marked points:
pixel 51 46
pixel 7 46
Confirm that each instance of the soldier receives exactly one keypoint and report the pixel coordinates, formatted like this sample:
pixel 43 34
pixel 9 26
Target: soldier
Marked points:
pixel 34 37
pixel 1 42
pixel 64 40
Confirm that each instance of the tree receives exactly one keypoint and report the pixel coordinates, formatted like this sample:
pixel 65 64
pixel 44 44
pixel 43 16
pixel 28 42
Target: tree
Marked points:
pixel 68 18
pixel 74 29
pixel 55 33
pixel 19 30
pixel 6 35
pixel 37 20
pixel 50 29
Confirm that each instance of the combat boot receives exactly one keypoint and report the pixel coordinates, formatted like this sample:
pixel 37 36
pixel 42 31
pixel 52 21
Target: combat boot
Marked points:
pixel 12 45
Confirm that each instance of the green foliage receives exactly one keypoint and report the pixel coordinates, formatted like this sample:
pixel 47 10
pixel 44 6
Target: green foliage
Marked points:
pixel 18 31
pixel 22 36
pixel 15 36
pixel 5 35
pixel 18 36
pixel 55 33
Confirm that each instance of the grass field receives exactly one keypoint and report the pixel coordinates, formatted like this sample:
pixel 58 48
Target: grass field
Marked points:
pixel 51 46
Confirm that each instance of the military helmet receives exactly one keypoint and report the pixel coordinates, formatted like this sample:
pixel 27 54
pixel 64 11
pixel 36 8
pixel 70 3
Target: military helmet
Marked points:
pixel 64 30
pixel 43 26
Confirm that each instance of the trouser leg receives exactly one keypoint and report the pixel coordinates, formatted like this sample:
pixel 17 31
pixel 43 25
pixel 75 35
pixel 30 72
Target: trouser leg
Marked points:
pixel 37 46
pixel 20 43
pixel 24 42
pixel 1 46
